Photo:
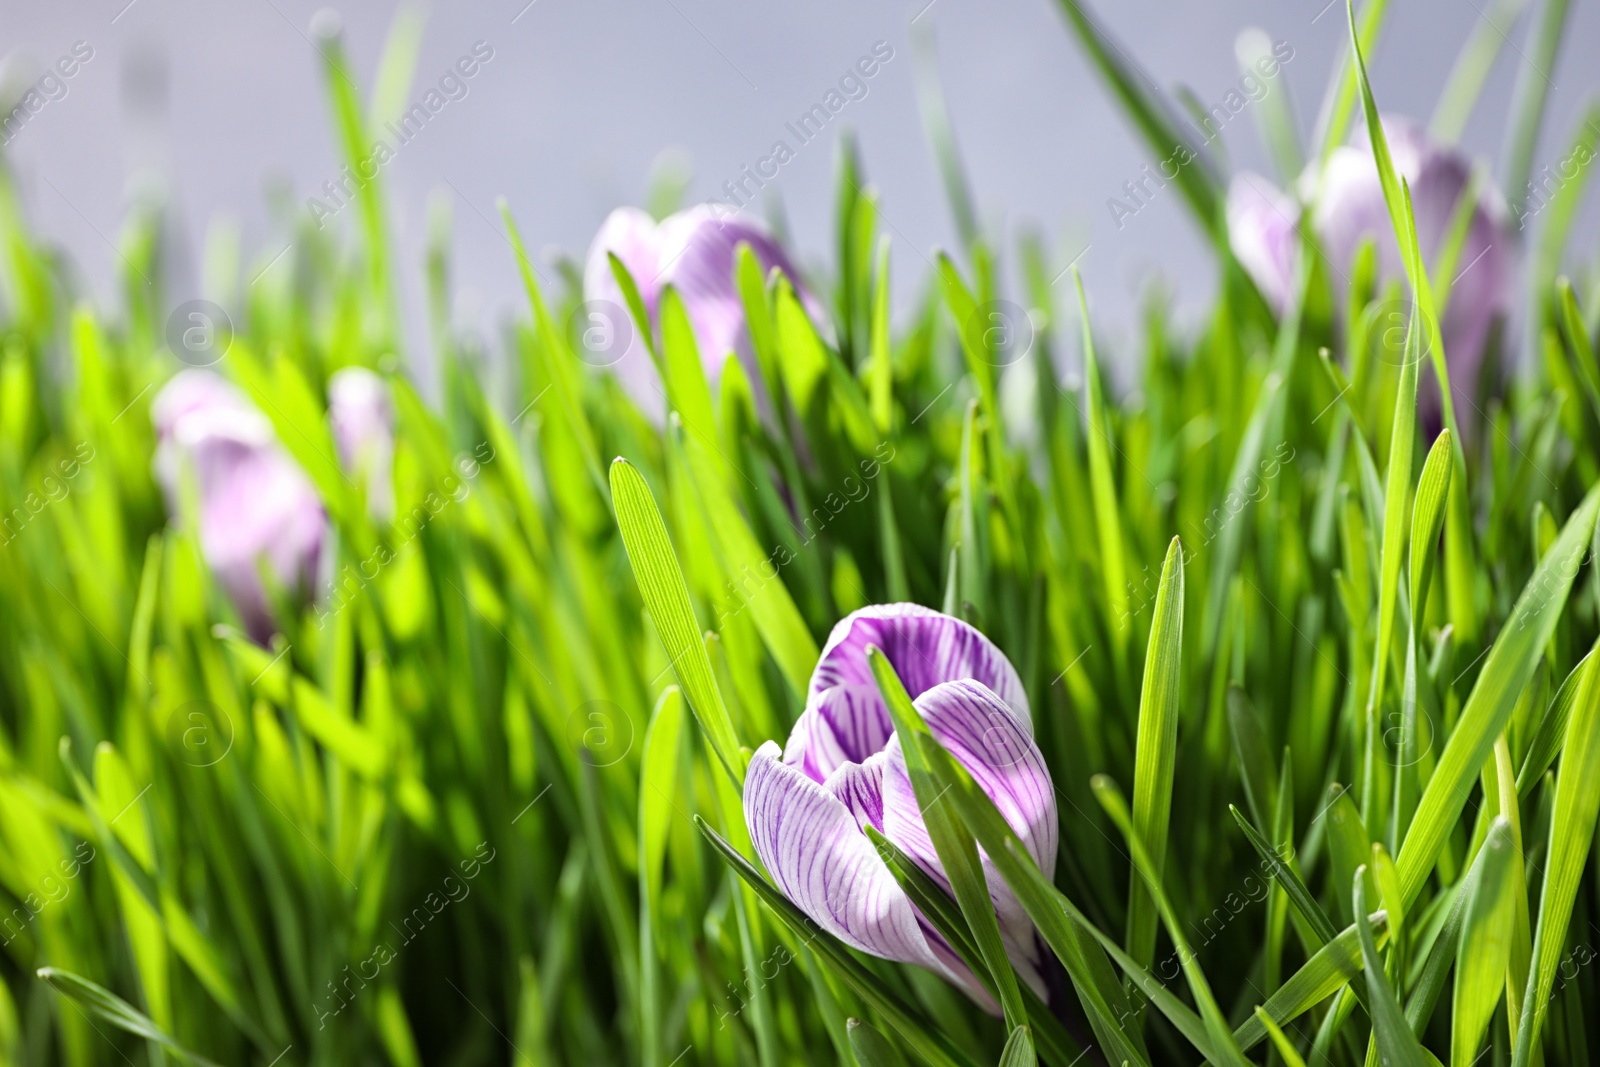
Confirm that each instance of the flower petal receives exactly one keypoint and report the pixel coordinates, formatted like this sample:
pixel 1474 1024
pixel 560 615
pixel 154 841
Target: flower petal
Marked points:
pixel 845 724
pixel 362 418
pixel 633 237
pixel 1261 230
pixel 820 859
pixel 986 737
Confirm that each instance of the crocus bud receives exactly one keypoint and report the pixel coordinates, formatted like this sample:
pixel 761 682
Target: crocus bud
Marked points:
pixel 254 503
pixel 694 252
pixel 1350 207
pixel 844 769
pixel 363 429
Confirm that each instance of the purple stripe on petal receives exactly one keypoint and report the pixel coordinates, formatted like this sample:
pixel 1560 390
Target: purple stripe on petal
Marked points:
pixel 820 859
pixel 845 724
pixel 859 787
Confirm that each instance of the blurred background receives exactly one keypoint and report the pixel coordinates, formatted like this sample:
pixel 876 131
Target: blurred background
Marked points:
pixel 222 110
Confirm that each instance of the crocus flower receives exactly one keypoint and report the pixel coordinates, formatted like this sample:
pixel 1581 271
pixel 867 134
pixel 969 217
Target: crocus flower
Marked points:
pixel 363 429
pixel 692 251
pixel 843 768
pixel 254 503
pixel 1348 207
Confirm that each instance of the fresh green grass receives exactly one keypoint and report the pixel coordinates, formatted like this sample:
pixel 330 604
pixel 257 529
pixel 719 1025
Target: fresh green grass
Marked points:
pixel 488 810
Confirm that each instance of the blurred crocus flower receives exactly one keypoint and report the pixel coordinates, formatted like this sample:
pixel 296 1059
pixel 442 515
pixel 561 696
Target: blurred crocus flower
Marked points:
pixel 694 252
pixel 362 417
pixel 807 806
pixel 254 502
pixel 1348 208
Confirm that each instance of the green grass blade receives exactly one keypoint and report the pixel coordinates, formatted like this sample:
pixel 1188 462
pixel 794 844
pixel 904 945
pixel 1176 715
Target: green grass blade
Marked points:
pixel 871 1048
pixel 1572 832
pixel 666 597
pixel 1397 1045
pixel 1485 947
pixel 1506 672
pixel 1528 100
pixel 1225 1049
pixel 1552 733
pixel 957 851
pixel 1471 70
pixel 1103 488
pixel 1427 518
pixel 1019 1049
pixel 110 1008
pixel 1155 753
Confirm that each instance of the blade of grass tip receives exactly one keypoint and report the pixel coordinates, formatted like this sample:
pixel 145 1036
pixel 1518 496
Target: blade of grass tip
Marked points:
pixel 871 1048
pixel 936 123
pixel 1485 947
pixel 1427 518
pixel 1224 1047
pixel 1019 1049
pixel 1291 882
pixel 657 778
pixel 1572 832
pixel 397 66
pixel 1506 672
pixel 1155 118
pixel 971 518
pixel 1397 1046
pixel 558 357
pixel 1291 1055
pixel 954 845
pixel 636 310
pixel 1528 99
pixel 919 1033
pixel 1103 489
pixel 971 328
pixel 112 1009
pixel 1155 752
pixel 666 597
pixel 1334 117
pixel 1471 70
pixel 1577 338
pixel 687 389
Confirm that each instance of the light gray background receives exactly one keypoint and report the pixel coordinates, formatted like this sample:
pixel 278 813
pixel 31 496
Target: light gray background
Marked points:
pixel 582 95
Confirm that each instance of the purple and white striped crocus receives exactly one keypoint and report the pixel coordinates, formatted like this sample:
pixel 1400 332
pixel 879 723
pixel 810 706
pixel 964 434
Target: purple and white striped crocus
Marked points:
pixel 692 251
pixel 254 503
pixel 807 806
pixel 362 418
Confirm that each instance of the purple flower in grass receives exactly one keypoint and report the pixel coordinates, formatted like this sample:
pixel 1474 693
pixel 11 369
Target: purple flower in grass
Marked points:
pixel 807 806
pixel 363 429
pixel 1348 208
pixel 254 503
pixel 694 252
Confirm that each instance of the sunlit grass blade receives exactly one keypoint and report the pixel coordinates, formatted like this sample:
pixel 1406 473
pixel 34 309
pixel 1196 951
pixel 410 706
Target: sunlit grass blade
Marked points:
pixel 1427 517
pixel 1572 832
pixel 1155 753
pixel 1485 947
pixel 112 1009
pixel 1506 671
pixel 871 1048
pixel 666 597
pixel 1397 1045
